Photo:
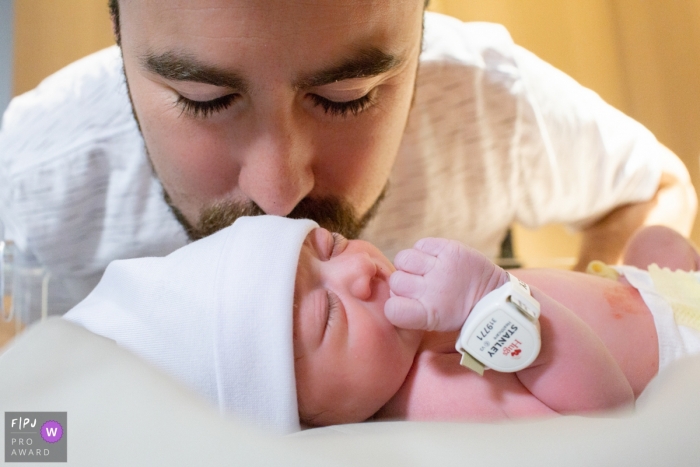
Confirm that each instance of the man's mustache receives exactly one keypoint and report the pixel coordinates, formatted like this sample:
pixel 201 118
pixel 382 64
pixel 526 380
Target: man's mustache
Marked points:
pixel 331 213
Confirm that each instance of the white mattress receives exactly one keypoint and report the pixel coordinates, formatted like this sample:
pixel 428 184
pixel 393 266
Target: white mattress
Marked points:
pixel 123 412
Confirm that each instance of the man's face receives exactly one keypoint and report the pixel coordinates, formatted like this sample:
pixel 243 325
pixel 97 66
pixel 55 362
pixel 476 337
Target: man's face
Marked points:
pixel 271 102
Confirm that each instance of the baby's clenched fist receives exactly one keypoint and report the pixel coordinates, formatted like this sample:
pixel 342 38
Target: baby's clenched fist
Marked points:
pixel 437 283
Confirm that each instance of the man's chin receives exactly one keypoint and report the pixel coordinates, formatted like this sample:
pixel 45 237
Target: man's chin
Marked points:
pixel 330 213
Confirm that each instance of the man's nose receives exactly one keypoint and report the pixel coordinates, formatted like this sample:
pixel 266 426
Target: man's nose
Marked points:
pixel 276 172
pixel 356 272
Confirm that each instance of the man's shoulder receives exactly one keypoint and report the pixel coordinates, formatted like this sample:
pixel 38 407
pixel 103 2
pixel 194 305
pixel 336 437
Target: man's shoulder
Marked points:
pixel 450 40
pixel 79 105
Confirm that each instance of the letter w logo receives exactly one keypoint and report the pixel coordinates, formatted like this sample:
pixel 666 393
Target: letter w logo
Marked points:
pixel 51 432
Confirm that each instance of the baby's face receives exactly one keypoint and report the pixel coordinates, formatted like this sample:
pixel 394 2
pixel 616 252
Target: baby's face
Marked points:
pixel 349 359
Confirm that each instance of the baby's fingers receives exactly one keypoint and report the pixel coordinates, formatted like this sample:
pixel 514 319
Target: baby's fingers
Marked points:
pixel 414 261
pixel 407 313
pixel 407 285
pixel 432 246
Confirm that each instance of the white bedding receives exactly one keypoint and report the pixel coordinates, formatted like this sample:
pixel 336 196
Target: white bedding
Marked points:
pixel 123 412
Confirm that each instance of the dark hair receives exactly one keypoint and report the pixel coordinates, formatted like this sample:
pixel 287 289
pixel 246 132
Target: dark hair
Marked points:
pixel 114 14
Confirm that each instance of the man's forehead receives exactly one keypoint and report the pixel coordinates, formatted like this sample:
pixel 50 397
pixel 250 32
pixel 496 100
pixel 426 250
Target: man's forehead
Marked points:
pixel 231 26
pixel 289 15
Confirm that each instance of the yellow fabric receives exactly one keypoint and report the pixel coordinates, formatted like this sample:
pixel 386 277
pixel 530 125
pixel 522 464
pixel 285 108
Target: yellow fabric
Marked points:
pixel 599 268
pixel 682 290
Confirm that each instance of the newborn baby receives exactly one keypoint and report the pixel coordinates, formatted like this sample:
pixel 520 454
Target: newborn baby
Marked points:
pixel 277 320
pixel 356 357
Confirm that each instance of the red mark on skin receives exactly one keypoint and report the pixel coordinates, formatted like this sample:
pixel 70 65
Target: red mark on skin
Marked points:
pixel 623 300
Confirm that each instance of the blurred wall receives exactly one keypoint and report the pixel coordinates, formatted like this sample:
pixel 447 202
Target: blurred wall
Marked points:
pixel 6 30
pixel 49 34
pixel 641 56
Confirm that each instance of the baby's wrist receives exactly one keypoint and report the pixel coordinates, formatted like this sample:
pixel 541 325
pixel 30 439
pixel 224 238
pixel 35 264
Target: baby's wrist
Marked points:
pixel 502 277
pixel 499 277
pixel 502 331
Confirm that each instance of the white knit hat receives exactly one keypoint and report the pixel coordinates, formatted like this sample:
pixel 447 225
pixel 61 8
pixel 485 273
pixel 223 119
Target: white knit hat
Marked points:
pixel 216 315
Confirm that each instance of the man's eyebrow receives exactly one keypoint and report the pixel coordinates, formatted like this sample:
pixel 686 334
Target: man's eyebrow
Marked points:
pixel 363 64
pixel 186 68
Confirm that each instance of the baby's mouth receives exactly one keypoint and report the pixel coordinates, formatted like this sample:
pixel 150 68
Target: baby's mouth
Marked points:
pixel 382 275
pixel 380 283
pixel 384 270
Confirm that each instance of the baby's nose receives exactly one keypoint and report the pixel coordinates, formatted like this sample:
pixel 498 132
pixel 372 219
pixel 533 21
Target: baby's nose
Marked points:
pixel 360 269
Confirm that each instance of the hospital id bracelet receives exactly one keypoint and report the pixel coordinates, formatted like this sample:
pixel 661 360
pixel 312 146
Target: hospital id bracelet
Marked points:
pixel 502 332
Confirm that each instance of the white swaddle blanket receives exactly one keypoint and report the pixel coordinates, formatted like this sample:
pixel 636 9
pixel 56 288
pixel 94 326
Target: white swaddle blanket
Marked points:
pixel 207 315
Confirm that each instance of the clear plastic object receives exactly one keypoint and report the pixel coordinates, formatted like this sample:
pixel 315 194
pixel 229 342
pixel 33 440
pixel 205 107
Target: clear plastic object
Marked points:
pixel 29 285
pixel 24 286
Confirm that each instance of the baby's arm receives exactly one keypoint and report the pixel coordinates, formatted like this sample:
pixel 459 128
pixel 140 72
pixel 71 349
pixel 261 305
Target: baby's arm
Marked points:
pixel 574 371
pixel 437 284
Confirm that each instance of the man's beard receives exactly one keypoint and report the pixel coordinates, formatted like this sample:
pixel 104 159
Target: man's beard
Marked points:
pixel 331 213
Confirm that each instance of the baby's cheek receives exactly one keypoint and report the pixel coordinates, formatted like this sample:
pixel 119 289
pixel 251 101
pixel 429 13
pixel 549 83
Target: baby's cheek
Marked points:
pixel 311 395
pixel 412 339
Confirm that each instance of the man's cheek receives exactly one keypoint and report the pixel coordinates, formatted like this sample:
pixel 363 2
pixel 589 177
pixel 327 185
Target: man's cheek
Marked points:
pixel 358 157
pixel 189 162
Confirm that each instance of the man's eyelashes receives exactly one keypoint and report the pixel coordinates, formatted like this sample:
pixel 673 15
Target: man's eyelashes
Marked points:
pixel 342 109
pixel 206 109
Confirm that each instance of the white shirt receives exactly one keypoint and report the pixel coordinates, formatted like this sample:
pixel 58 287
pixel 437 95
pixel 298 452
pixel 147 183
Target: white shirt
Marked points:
pixel 495 136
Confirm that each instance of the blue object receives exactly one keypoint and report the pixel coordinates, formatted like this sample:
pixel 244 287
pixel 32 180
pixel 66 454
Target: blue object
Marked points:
pixel 6 42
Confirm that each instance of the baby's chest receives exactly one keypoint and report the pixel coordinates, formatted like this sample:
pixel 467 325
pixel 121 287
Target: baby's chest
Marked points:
pixel 438 388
